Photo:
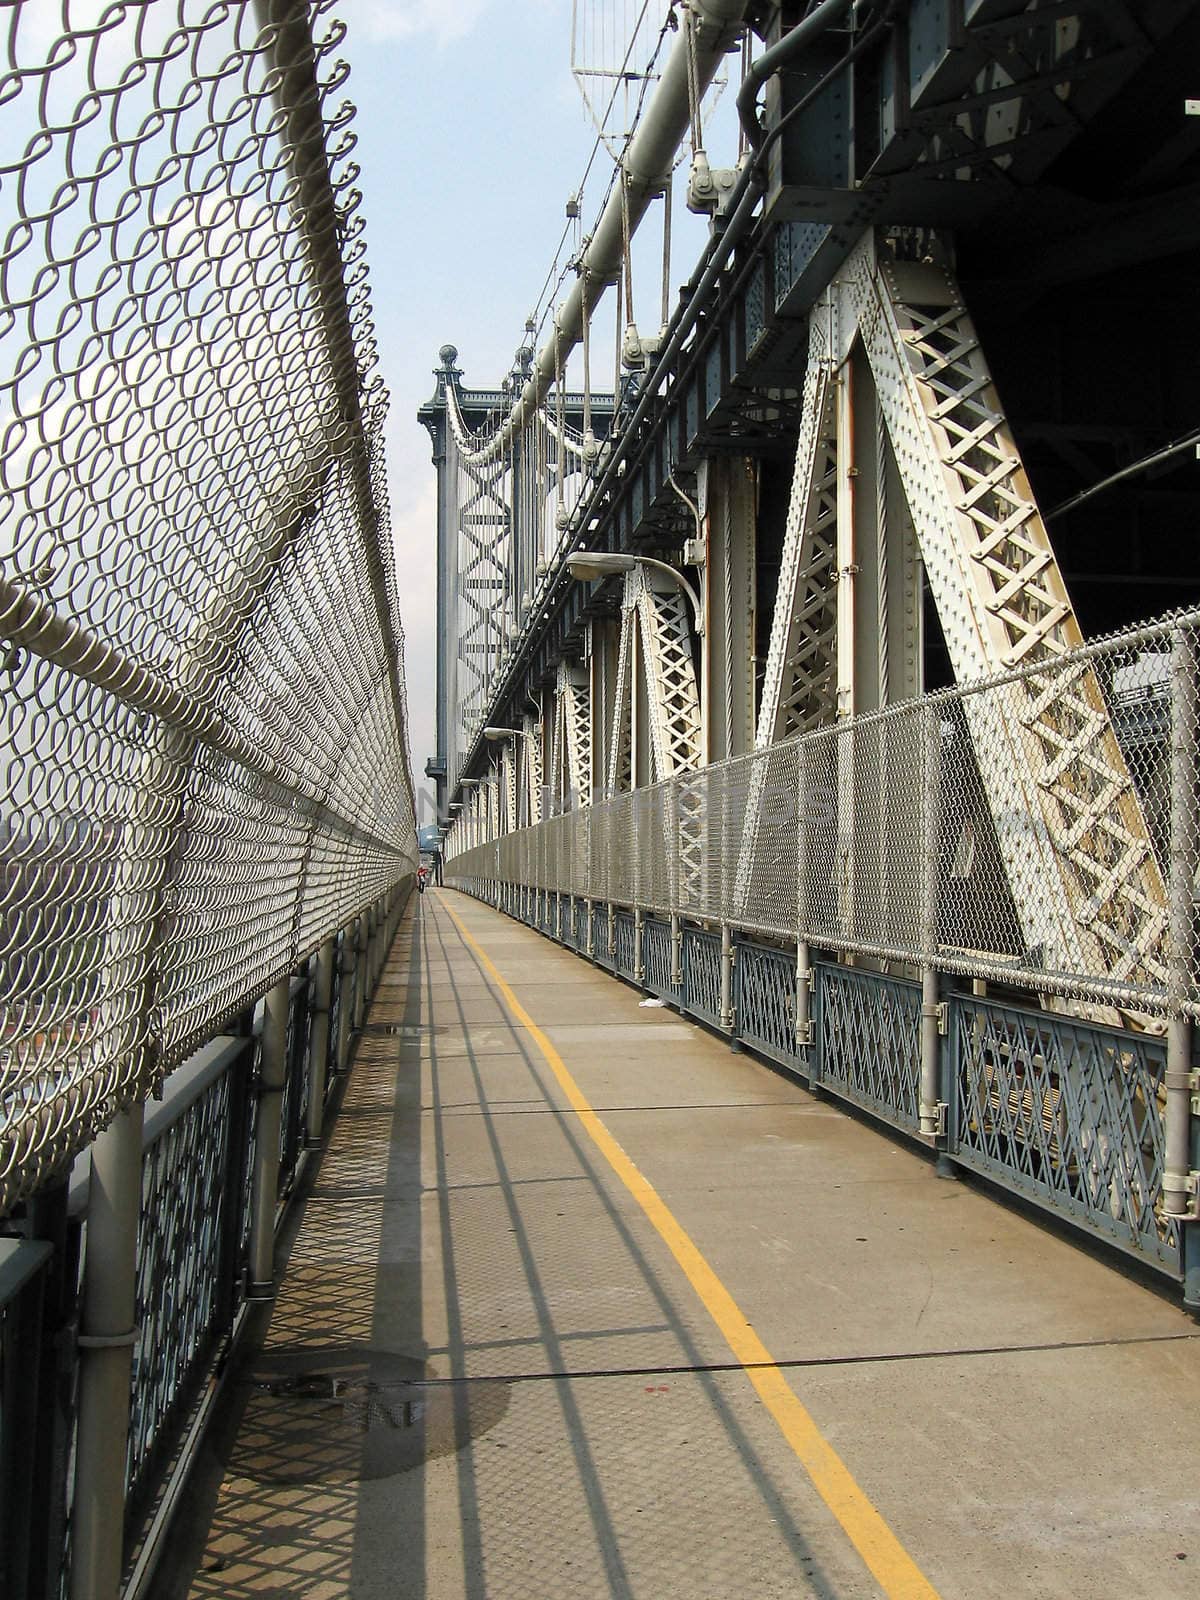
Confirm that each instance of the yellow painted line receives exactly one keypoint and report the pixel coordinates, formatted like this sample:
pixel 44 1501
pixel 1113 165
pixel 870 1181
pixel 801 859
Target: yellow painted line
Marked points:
pixel 893 1568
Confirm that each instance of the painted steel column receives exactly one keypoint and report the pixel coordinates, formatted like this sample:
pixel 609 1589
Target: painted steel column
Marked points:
pixel 1179 1192
pixel 106 1341
pixel 264 1192
pixel 318 1055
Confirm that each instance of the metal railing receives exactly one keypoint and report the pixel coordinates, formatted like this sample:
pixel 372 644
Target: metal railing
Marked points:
pixel 194 1275
pixel 206 801
pixel 861 906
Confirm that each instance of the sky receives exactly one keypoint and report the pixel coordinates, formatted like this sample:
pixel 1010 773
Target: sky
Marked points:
pixel 472 135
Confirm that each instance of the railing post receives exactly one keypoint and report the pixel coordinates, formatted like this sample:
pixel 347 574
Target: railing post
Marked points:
pixel 106 1339
pixel 361 956
pixel 345 1002
pixel 47 1461
pixel 676 951
pixel 371 936
pixel 1180 1133
pixel 804 976
pixel 931 1109
pixel 318 1050
pixel 591 945
pixel 264 1191
pixel 639 932
pixel 236 1160
pixel 726 1012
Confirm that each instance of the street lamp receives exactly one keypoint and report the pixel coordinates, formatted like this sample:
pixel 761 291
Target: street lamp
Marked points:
pixel 496 735
pixel 603 563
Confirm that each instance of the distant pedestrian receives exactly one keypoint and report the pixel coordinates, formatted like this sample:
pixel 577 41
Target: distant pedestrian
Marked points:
pixel 422 879
pixel 437 868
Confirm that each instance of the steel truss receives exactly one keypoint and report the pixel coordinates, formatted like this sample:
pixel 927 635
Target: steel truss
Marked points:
pixel 1068 820
pixel 800 688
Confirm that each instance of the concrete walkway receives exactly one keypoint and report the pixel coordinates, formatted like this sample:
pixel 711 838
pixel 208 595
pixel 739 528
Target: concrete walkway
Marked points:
pixel 495 1372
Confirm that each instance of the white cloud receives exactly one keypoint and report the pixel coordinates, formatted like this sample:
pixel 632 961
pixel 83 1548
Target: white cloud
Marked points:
pixel 443 21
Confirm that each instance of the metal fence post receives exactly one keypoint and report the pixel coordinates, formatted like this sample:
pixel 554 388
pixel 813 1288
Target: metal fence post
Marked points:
pixel 47 1462
pixel 726 1012
pixel 591 944
pixel 345 1001
pixel 1180 1188
pixel 265 1182
pixel 26 1377
pixel 236 1161
pixel 932 1109
pixel 804 1033
pixel 674 836
pixel 639 929
pixel 361 957
pixel 371 951
pixel 106 1341
pixel 318 1048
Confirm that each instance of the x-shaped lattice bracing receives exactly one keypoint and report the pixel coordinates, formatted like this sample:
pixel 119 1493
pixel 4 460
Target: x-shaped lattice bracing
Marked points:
pixel 674 702
pixel 1086 858
pixel 619 775
pixel 800 686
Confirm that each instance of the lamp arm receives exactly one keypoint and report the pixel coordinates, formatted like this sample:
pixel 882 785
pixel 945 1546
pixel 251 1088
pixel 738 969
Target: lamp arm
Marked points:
pixel 673 572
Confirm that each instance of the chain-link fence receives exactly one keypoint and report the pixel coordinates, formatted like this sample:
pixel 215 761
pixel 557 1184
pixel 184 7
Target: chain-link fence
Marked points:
pixel 206 768
pixel 1037 830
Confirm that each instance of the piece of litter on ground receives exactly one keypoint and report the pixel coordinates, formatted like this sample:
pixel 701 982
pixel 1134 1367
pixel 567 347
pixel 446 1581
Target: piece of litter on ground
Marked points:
pixel 657 1003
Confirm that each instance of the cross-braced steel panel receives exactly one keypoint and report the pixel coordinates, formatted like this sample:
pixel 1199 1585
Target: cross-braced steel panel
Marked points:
pixel 184 1203
pixel 1069 1114
pixel 701 967
pixel 657 959
pixel 624 942
pixel 869 1032
pixel 765 1001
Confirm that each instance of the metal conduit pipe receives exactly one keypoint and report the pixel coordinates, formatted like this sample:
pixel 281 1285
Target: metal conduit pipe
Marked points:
pixel 647 166
pixel 771 61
